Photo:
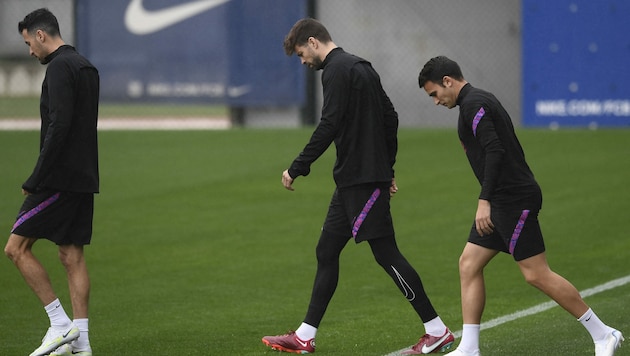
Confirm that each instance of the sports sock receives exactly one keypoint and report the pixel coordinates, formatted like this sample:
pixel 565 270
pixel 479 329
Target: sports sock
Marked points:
pixel 435 327
pixel 57 315
pixel 470 338
pixel 306 332
pixel 83 342
pixel 594 326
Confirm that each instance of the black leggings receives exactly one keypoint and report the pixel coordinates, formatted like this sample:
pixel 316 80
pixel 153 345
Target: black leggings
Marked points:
pixel 387 255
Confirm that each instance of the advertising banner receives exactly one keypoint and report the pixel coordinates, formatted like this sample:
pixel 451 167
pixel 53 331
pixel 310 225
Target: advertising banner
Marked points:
pixel 576 59
pixel 210 51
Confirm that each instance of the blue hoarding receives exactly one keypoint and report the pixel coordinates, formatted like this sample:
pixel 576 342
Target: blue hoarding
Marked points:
pixel 212 51
pixel 576 58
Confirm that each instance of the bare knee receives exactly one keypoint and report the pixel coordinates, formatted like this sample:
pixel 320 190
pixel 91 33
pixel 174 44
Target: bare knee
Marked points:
pixel 531 279
pixel 9 252
pixel 468 266
pixel 70 255
pixel 17 246
pixel 536 271
pixel 64 258
pixel 473 260
pixel 538 278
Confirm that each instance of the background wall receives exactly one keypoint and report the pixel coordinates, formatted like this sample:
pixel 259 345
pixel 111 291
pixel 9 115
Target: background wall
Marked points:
pixel 21 75
pixel 13 11
pixel 397 36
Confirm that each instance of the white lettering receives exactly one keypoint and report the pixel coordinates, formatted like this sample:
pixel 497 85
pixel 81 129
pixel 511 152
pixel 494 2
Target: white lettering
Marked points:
pixel 158 89
pixel 583 107
pixel 550 108
pixel 617 107
pixel 212 90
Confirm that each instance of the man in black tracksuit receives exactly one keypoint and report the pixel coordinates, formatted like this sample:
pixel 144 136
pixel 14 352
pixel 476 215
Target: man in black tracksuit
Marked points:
pixel 359 118
pixel 59 201
pixel 508 206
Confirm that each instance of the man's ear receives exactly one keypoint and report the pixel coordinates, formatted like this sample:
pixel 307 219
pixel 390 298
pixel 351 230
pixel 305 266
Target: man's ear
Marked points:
pixel 447 81
pixel 40 35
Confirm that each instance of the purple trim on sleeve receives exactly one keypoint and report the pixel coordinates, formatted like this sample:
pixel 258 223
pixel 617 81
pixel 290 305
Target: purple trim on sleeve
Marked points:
pixel 476 120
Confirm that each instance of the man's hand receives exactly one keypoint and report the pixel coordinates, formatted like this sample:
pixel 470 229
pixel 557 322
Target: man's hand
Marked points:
pixel 25 192
pixel 393 188
pixel 482 219
pixel 287 181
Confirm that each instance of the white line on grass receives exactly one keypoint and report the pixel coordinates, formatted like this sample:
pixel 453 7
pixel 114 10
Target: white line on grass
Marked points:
pixel 539 308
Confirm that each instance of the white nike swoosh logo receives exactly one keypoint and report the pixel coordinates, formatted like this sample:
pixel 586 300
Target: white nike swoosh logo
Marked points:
pixel 140 21
pixel 409 293
pixel 303 343
pixel 428 350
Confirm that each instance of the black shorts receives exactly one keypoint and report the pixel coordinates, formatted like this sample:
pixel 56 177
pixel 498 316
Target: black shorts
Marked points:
pixel 361 212
pixel 62 217
pixel 516 232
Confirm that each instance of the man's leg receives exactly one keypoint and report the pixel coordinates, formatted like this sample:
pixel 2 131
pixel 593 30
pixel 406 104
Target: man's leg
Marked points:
pixel 302 340
pixel 72 258
pixel 472 262
pixel 437 337
pixel 19 251
pixel 389 257
pixel 327 251
pixel 537 273
pixel 62 330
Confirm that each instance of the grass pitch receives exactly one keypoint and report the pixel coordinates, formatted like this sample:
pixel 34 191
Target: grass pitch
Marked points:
pixel 199 250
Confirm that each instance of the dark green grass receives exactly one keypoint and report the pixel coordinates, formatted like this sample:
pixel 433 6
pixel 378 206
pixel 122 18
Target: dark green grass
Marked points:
pixel 198 250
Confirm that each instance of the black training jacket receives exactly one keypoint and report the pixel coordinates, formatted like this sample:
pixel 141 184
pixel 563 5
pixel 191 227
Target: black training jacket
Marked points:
pixel 68 157
pixel 359 117
pixel 487 134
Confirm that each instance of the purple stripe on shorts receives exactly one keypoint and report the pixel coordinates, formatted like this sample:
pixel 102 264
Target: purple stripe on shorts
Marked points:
pixel 517 231
pixel 476 120
pixel 29 214
pixel 366 209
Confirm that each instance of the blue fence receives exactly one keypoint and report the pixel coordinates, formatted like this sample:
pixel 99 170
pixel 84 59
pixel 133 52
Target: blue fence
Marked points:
pixel 211 51
pixel 576 58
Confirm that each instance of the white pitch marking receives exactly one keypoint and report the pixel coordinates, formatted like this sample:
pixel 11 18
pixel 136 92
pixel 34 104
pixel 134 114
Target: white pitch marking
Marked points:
pixel 539 308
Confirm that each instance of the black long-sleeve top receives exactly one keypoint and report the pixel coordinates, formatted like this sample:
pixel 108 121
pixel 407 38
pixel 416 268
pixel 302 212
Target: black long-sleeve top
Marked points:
pixel 487 134
pixel 68 158
pixel 359 117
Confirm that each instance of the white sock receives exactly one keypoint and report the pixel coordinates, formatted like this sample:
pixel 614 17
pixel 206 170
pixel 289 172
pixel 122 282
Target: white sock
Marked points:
pixel 435 327
pixel 306 332
pixel 57 315
pixel 470 338
pixel 594 326
pixel 83 342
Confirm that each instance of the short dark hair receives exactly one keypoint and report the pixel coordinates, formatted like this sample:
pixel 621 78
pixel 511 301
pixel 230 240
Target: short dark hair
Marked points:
pixel 40 19
pixel 437 68
pixel 301 31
